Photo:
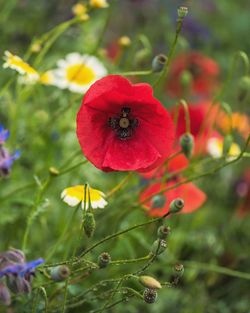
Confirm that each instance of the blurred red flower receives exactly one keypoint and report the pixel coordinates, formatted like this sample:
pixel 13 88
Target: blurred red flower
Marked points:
pixel 204 73
pixel 192 196
pixel 121 126
pixel 242 189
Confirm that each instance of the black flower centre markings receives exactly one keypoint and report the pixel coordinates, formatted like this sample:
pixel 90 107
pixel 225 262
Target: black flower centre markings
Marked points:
pixel 124 124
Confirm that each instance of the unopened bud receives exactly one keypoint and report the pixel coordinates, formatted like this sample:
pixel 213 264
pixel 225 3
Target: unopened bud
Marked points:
pixel 18 284
pixel 14 255
pixel 35 47
pixel 228 140
pixel 243 88
pixel 163 232
pixel 149 282
pixel 186 79
pixel 182 12
pixel 187 144
pixel 158 201
pixel 89 224
pixel 159 246
pixel 176 205
pixel 54 171
pixel 104 260
pixel 5 297
pixel 178 270
pixel 158 63
pixel 60 273
pixel 124 41
pixel 150 295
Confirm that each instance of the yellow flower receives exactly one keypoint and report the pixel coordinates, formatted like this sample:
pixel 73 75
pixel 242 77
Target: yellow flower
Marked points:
pixel 74 195
pixel 79 9
pixel 78 72
pixel 47 78
pixel 215 148
pixel 124 41
pixel 98 4
pixel 16 63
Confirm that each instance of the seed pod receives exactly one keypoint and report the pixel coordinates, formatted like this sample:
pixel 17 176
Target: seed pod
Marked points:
pixel 89 224
pixel 158 63
pixel 158 201
pixel 163 232
pixel 178 270
pixel 54 171
pixel 176 205
pixel 60 273
pixel 187 144
pixel 104 260
pixel 150 295
pixel 149 282
pixel 5 297
pixel 159 246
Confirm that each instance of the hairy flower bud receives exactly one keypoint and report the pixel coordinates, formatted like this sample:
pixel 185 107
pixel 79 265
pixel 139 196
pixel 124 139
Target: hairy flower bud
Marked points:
pixel 158 63
pixel 149 282
pixel 187 144
pixel 150 295
pixel 182 12
pixel 5 297
pixel 176 205
pixel 60 273
pixel 178 270
pixel 159 246
pixel 243 88
pixel 158 201
pixel 89 224
pixel 104 260
pixel 124 41
pixel 163 232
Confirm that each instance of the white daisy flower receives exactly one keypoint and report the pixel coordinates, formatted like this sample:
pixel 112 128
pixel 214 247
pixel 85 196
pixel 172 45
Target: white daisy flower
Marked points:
pixel 30 75
pixel 74 195
pixel 215 148
pixel 78 72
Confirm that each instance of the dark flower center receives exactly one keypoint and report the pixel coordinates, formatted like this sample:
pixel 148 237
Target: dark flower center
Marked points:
pixel 124 124
pixel 195 70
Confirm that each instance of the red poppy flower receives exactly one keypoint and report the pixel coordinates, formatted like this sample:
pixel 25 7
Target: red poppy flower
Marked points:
pixel 121 126
pixel 204 73
pixel 192 196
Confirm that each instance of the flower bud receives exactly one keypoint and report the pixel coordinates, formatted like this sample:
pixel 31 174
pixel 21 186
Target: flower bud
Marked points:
pixel 243 88
pixel 176 205
pixel 98 4
pixel 158 63
pixel 159 246
pixel 178 270
pixel 14 255
pixel 104 260
pixel 163 232
pixel 60 273
pixel 158 201
pixel 182 12
pixel 186 79
pixel 187 144
pixel 54 171
pixel 228 140
pixel 5 297
pixel 89 224
pixel 149 282
pixel 124 41
pixel 150 295
pixel 18 284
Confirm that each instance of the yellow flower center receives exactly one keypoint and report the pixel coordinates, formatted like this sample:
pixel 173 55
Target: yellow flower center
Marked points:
pixel 80 74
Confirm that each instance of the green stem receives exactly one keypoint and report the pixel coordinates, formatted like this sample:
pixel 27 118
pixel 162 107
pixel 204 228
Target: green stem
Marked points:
pixel 135 73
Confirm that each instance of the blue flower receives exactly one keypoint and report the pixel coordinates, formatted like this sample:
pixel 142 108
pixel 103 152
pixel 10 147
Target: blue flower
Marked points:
pixel 6 160
pixel 4 134
pixel 21 270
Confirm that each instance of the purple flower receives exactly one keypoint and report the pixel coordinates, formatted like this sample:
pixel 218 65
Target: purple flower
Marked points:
pixel 21 269
pixel 4 134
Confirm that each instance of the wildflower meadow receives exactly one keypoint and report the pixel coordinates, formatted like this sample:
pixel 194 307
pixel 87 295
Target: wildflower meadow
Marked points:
pixel 124 156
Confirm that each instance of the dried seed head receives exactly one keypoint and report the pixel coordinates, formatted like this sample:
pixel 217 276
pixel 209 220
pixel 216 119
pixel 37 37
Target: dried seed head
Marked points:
pixel 104 260
pixel 150 295
pixel 163 232
pixel 178 270
pixel 158 63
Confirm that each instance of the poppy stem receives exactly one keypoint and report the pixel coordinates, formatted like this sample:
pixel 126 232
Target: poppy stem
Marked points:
pixel 120 185
pixel 136 73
